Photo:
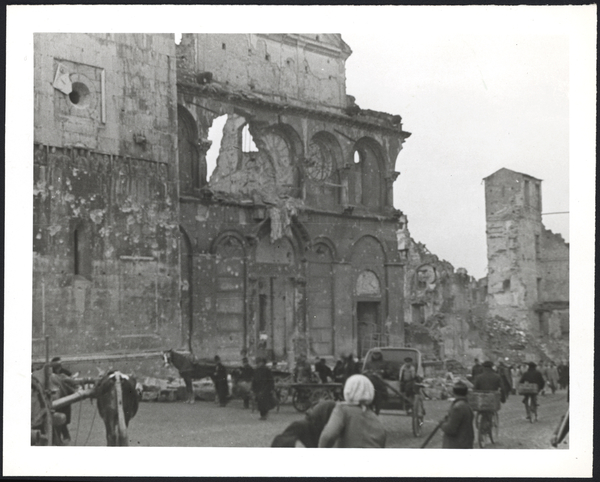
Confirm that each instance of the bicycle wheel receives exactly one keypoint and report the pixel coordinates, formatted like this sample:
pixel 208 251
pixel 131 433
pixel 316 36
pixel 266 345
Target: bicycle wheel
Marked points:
pixel 533 411
pixel 418 416
pixel 301 400
pixel 495 427
pixel 480 430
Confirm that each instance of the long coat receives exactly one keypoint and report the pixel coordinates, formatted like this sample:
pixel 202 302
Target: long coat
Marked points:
pixel 458 427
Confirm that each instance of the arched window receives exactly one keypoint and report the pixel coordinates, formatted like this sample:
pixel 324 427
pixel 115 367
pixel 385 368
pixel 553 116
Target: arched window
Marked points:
pixel 367 175
pixel 319 294
pixel 192 166
pixel 82 262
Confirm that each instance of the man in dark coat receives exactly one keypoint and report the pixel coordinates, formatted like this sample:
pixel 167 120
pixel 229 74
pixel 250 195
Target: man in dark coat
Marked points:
pixel 220 381
pixel 263 386
pixel 246 376
pixel 532 376
pixel 323 370
pixel 458 424
pixel 65 375
pixel 489 380
pixel 476 370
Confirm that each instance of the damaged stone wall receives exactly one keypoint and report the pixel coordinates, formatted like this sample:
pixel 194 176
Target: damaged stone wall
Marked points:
pixel 442 307
pixel 106 256
pixel 528 266
pixel 302 69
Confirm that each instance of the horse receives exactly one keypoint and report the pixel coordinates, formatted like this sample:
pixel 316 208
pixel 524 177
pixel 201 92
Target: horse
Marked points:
pixel 189 370
pixel 106 391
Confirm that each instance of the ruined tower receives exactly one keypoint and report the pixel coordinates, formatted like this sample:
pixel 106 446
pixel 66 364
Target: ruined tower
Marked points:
pixel 528 275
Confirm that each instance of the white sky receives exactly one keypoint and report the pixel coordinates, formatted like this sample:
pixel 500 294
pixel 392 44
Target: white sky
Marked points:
pixel 474 104
pixel 494 97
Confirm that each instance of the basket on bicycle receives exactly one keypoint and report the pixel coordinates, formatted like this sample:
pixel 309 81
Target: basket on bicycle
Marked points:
pixel 526 388
pixel 483 401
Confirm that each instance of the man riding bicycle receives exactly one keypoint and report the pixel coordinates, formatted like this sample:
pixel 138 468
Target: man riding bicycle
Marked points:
pixel 488 381
pixel 532 376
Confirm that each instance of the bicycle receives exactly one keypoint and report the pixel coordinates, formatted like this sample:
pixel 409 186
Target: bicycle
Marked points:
pixel 485 404
pixel 529 391
pixel 488 426
pixel 531 407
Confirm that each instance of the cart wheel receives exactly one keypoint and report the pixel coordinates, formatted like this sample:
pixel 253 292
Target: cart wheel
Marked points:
pixel 320 394
pixel 418 416
pixel 301 400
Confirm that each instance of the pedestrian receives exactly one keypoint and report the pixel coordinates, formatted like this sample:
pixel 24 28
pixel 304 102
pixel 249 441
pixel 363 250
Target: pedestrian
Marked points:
pixel 544 371
pixel 323 370
pixel 407 377
pixel 338 371
pixel 458 424
pixel 302 371
pixel 476 370
pixel 352 423
pixel 63 374
pixel 552 377
pixel 516 375
pixel 246 376
pixel 263 386
pixel 350 367
pixel 505 378
pixel 220 381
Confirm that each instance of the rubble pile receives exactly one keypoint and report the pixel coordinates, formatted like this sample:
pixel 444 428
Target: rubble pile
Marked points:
pixel 440 388
pixel 172 389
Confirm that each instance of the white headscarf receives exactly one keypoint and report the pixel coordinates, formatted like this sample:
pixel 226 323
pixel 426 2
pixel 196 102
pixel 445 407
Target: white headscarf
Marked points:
pixel 359 391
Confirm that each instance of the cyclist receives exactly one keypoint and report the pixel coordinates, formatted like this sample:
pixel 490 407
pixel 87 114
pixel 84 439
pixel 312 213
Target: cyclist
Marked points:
pixel 488 381
pixel 532 376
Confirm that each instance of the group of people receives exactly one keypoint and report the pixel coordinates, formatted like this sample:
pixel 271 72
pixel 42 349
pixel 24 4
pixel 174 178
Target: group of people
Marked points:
pixel 556 377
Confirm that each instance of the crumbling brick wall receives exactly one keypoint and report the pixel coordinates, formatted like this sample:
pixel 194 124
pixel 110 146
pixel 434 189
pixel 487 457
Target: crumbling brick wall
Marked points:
pixel 105 261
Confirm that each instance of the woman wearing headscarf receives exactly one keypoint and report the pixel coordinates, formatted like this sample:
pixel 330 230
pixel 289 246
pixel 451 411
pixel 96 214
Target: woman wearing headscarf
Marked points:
pixel 352 423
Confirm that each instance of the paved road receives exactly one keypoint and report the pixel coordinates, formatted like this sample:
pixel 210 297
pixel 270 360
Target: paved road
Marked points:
pixel 205 424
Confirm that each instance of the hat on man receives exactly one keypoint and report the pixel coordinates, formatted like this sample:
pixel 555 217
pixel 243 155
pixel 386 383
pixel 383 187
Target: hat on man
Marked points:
pixel 408 359
pixel 531 364
pixel 460 388
pixel 488 364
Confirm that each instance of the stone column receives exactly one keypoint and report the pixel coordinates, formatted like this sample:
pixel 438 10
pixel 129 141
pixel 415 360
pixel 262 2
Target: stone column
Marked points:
pixel 343 299
pixel 395 300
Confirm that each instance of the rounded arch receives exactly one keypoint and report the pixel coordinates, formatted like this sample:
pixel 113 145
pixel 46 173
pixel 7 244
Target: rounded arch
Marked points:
pixel 226 236
pixel 329 142
pixel 369 172
pixel 323 240
pixel 368 248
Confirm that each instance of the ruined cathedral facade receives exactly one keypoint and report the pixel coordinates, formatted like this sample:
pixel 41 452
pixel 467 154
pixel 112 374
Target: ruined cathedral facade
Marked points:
pixel 287 245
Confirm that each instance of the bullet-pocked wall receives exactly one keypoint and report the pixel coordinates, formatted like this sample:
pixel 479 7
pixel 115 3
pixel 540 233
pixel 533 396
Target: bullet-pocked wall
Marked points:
pixel 292 238
pixel 106 235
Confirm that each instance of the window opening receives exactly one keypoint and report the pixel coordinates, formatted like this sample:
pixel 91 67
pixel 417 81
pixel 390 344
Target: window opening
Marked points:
pixel 506 285
pixel 526 193
pixel 248 144
pixel 262 319
pixel 178 37
pixel 357 157
pixel 215 135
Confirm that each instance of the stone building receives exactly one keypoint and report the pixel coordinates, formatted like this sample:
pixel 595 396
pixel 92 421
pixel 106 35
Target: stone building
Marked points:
pixel 288 246
pixel 105 219
pixel 528 265
pixel 290 243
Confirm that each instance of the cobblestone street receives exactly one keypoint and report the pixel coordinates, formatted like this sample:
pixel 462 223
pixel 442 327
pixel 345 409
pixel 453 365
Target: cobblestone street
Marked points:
pixel 204 424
